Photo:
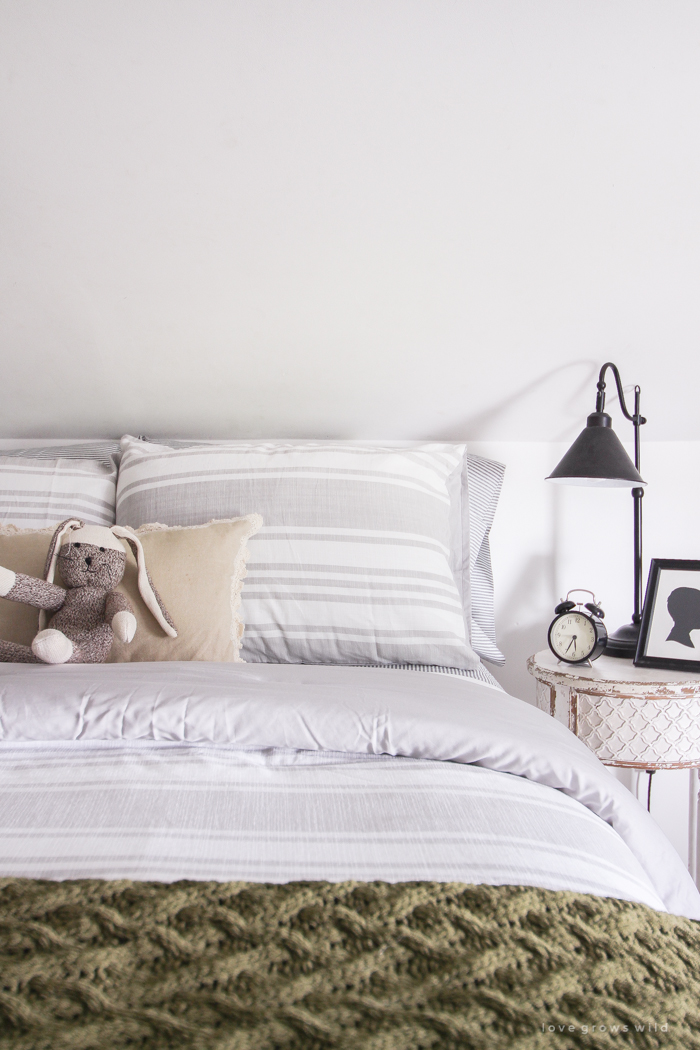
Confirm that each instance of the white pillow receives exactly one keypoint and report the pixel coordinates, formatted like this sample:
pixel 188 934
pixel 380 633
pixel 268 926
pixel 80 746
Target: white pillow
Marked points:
pixel 474 508
pixel 101 449
pixel 485 478
pixel 38 492
pixel 353 564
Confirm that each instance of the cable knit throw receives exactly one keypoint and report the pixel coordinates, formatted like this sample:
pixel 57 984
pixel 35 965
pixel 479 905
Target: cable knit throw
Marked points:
pixel 94 965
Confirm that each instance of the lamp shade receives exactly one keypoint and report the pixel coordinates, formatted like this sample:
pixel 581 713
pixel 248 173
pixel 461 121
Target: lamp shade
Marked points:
pixel 597 457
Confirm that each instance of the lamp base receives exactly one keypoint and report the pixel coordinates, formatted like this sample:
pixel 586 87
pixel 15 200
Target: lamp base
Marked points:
pixel 623 642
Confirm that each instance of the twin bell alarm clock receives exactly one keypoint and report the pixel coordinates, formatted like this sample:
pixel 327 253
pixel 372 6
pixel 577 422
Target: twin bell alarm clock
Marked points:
pixel 577 632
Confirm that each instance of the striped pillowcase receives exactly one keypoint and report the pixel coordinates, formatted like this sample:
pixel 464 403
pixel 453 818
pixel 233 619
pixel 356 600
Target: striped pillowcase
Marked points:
pixel 479 674
pixel 105 451
pixel 35 493
pixel 485 479
pixel 482 481
pixel 353 563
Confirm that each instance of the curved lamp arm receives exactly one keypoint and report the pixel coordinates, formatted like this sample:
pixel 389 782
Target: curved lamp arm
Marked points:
pixel 637 419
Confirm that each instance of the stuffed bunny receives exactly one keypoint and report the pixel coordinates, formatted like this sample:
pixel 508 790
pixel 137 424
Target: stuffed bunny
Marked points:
pixel 88 613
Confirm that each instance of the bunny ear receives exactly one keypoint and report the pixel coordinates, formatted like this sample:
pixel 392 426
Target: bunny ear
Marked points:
pixel 59 533
pixel 52 555
pixel 150 595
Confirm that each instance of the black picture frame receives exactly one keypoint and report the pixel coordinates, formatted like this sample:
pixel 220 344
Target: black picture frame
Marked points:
pixel 651 611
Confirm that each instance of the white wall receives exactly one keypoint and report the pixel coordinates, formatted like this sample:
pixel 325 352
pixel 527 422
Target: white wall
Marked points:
pixel 347 217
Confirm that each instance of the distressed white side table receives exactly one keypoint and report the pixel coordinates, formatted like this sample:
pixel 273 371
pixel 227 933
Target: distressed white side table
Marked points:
pixel 631 717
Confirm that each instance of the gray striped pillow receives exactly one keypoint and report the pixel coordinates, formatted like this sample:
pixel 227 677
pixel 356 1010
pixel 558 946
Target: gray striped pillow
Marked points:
pixel 485 478
pixel 353 563
pixel 479 674
pixel 105 451
pixel 35 493
pixel 478 500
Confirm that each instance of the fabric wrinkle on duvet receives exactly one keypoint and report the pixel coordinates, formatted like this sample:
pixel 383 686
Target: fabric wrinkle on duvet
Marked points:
pixel 362 711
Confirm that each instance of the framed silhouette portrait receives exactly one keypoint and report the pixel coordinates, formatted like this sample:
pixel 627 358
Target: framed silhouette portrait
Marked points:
pixel 670 631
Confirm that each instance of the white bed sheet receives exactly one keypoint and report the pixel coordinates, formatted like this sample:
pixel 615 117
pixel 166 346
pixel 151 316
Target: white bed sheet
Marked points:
pixel 272 773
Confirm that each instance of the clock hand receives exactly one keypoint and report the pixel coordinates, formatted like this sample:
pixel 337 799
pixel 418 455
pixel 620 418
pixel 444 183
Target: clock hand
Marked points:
pixel 572 642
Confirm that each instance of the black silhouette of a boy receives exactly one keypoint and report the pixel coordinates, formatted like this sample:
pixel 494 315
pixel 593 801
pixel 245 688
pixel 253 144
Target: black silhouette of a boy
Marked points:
pixel 684 606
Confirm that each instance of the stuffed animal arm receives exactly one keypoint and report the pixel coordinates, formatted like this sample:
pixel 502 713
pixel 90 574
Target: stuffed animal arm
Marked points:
pixel 7 581
pixel 88 613
pixel 49 597
pixel 119 613
pixel 20 588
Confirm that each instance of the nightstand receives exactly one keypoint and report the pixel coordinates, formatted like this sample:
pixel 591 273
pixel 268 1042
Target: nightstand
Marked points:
pixel 630 717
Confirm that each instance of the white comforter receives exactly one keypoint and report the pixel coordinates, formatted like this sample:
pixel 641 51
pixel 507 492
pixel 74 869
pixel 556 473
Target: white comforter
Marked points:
pixel 279 772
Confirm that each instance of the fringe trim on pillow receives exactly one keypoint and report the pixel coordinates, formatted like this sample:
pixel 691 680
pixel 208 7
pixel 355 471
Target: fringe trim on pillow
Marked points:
pixel 239 574
pixel 240 571
pixel 17 530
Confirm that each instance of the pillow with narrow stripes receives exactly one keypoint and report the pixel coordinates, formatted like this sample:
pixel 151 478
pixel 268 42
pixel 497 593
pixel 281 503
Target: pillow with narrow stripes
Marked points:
pixel 485 479
pixel 38 492
pixel 105 451
pixel 353 564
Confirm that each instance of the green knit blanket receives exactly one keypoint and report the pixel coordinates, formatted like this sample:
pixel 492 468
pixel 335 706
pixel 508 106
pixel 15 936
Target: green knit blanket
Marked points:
pixel 93 965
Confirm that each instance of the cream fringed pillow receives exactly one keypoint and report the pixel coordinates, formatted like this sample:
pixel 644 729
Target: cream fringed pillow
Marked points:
pixel 22 550
pixel 198 572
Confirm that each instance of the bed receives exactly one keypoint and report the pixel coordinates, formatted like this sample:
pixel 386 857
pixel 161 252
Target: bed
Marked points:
pixel 287 854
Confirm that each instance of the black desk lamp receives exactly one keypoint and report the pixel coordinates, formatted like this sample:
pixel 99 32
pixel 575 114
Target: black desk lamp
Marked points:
pixel 598 458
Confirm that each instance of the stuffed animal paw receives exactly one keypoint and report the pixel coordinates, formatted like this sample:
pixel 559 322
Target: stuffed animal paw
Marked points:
pixel 52 647
pixel 124 625
pixel 7 581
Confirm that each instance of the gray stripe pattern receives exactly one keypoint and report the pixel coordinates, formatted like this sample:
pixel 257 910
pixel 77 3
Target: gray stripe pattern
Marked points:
pixel 479 674
pixel 102 451
pixel 482 480
pixel 485 480
pixel 35 493
pixel 355 562
pixel 150 812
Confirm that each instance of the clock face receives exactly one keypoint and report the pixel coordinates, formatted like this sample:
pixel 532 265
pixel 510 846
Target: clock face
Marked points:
pixel 572 637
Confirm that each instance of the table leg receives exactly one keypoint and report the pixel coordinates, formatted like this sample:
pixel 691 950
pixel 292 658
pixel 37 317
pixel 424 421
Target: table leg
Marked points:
pixel 650 773
pixel 693 833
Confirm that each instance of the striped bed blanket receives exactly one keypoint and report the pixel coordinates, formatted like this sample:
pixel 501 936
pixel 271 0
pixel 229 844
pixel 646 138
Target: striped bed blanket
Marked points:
pixel 272 773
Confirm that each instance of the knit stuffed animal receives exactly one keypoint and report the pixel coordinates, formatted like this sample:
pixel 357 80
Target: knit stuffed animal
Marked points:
pixel 88 613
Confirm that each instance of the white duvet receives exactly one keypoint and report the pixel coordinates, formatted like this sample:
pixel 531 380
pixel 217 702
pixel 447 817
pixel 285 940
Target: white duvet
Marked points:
pixel 279 772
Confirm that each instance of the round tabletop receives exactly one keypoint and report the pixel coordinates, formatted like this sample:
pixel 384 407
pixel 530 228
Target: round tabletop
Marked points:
pixel 611 670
